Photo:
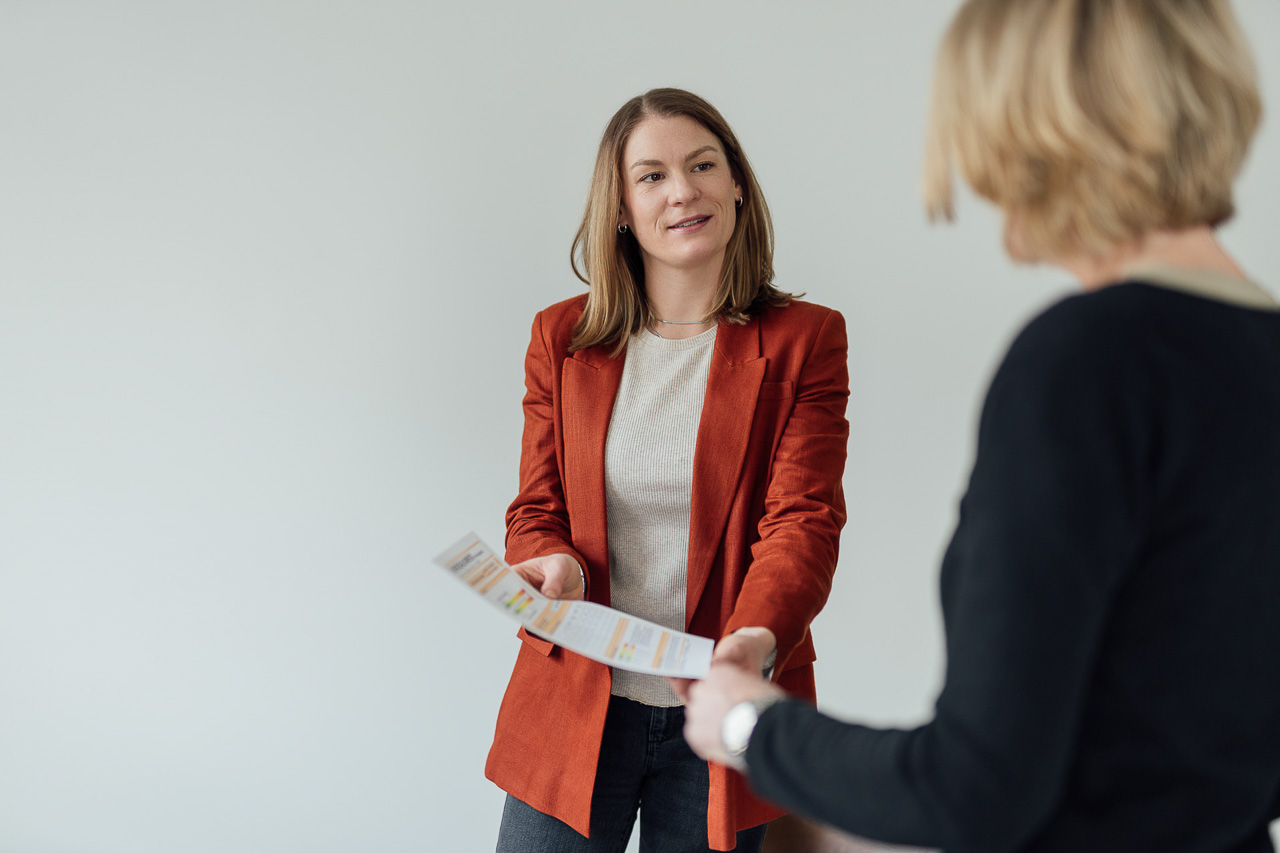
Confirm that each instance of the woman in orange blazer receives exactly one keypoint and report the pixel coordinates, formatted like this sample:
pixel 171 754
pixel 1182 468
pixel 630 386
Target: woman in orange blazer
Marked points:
pixel 683 449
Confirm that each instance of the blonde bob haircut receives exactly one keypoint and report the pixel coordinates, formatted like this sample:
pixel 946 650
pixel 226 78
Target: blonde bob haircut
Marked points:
pixel 611 264
pixel 1091 122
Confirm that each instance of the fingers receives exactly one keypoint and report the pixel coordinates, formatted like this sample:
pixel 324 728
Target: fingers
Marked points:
pixel 555 576
pixel 558 586
pixel 564 579
pixel 680 687
pixel 530 573
pixel 706 703
pixel 740 651
pixel 728 651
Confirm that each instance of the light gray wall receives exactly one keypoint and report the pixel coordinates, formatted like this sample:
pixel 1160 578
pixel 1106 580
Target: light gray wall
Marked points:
pixel 266 278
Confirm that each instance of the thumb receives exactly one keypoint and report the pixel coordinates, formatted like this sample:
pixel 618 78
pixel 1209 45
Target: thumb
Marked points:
pixel 729 653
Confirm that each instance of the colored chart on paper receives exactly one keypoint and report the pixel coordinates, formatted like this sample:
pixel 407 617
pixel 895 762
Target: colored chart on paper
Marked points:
pixel 593 630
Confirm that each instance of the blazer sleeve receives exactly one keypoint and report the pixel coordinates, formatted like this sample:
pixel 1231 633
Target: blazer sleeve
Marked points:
pixel 792 563
pixel 538 520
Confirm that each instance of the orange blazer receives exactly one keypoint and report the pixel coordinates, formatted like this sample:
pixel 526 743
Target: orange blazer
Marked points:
pixel 767 508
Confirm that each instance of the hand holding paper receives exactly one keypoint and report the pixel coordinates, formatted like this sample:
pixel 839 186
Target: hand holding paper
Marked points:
pixel 598 632
pixel 746 648
pixel 555 576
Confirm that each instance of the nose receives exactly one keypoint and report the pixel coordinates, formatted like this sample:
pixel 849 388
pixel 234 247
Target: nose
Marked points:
pixel 681 189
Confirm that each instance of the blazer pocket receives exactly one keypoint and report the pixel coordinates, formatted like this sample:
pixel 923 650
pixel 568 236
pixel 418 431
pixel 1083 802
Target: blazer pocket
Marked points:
pixel 777 390
pixel 539 645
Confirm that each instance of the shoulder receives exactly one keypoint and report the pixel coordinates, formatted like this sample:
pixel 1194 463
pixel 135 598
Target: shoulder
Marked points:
pixel 554 324
pixel 798 313
pixel 563 313
pixel 1088 356
pixel 801 339
pixel 1086 329
pixel 800 324
pixel 1127 327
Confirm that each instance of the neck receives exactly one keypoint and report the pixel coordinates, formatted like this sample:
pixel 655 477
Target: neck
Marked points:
pixel 681 296
pixel 1192 248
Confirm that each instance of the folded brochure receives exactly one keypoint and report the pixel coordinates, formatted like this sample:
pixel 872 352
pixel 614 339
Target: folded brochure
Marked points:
pixel 593 630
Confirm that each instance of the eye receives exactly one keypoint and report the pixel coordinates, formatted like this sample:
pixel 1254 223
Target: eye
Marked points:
pixel 651 178
pixel 703 167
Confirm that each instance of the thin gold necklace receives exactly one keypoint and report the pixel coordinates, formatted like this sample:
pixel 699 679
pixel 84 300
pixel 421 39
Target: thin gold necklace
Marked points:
pixel 654 329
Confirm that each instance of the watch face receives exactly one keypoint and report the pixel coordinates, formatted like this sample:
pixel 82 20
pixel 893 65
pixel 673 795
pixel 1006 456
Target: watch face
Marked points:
pixel 737 726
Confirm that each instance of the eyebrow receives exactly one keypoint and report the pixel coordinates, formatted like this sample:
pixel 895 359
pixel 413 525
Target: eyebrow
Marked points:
pixel 703 150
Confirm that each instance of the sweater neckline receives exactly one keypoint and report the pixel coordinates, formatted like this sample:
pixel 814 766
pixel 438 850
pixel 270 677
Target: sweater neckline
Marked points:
pixel 1210 284
pixel 701 340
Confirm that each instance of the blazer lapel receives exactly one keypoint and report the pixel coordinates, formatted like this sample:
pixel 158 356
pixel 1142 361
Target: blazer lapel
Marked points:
pixel 737 369
pixel 589 383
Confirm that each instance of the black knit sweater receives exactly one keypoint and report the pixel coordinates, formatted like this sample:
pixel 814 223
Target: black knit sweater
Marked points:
pixel 1111 600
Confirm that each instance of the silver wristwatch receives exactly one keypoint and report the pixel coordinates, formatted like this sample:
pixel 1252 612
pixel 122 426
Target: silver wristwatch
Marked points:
pixel 740 722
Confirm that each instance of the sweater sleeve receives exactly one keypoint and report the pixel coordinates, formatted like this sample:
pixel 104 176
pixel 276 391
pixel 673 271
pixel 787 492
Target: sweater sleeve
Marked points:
pixel 1047 529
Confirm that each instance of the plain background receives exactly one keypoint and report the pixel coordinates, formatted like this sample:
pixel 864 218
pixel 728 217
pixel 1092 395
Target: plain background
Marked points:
pixel 267 272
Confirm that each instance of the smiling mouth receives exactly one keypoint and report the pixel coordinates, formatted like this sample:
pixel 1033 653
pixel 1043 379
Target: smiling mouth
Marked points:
pixel 689 223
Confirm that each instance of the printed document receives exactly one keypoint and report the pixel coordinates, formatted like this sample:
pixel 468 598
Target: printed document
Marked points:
pixel 598 632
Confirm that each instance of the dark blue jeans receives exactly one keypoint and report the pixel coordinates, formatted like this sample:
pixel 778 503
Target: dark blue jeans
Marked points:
pixel 646 766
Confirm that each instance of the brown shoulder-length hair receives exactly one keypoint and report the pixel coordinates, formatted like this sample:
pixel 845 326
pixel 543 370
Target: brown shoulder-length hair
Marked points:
pixel 611 264
pixel 1092 123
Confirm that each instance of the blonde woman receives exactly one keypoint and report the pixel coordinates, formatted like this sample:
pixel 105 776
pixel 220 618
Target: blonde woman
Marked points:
pixel 1112 591
pixel 683 449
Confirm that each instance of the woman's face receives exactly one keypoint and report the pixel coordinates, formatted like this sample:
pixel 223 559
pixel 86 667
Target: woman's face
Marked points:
pixel 678 195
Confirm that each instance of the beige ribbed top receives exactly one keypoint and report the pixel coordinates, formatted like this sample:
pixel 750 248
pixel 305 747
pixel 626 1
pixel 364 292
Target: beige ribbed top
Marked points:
pixel 1207 283
pixel 648 475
